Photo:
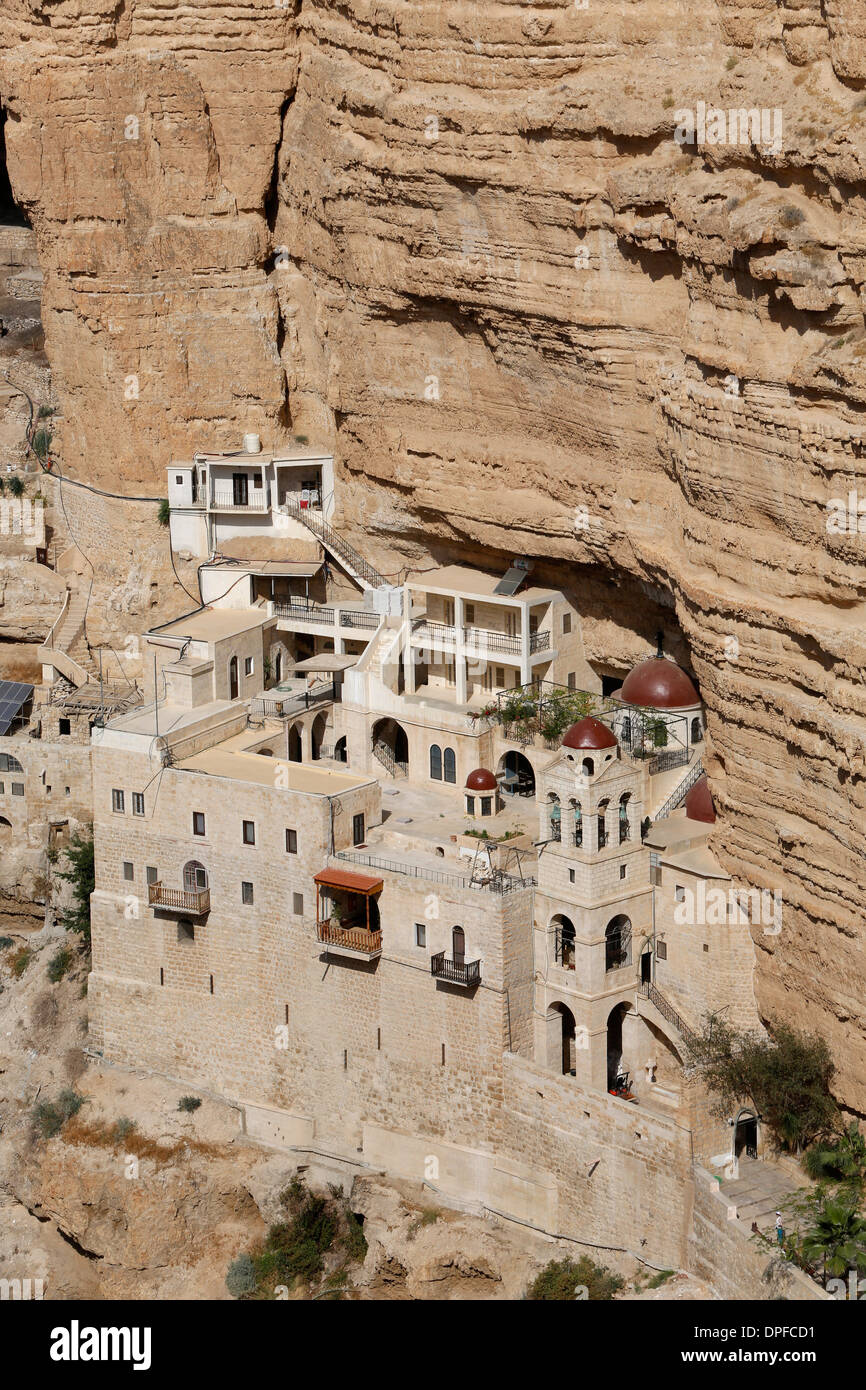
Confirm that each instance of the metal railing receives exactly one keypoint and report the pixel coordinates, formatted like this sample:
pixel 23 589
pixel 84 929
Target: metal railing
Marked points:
pixel 456 972
pixel 498 883
pixel 556 830
pixel 564 948
pixel 624 831
pixel 286 706
pixel 680 791
pixel 576 837
pixel 666 1010
pixel 331 933
pixel 223 500
pixel 309 612
pixel 335 542
pixel 664 762
pixel 617 950
pixel 386 757
pixel 179 899
pixel 480 639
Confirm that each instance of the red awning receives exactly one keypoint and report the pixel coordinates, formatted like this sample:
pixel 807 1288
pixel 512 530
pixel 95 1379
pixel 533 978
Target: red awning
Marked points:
pixel 352 883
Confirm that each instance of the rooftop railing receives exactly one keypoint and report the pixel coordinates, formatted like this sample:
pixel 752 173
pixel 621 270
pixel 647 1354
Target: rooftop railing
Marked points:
pixel 499 882
pixel 480 639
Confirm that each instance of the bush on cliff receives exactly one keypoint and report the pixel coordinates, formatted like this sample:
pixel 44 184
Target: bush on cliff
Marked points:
pixel 570 1279
pixel 81 874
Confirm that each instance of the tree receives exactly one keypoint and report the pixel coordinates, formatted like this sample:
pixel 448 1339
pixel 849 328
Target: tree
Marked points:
pixel 81 874
pixel 163 514
pixel 16 486
pixel 786 1077
pixel 834 1238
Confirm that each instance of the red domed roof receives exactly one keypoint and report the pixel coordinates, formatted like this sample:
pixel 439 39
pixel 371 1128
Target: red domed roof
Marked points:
pixel 481 781
pixel 659 684
pixel 699 802
pixel 589 733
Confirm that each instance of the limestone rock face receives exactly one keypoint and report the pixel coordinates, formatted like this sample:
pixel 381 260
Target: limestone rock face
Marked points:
pixel 462 244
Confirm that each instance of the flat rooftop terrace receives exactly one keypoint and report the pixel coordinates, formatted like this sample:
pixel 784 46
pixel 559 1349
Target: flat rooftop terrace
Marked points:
pixel 213 624
pixel 233 759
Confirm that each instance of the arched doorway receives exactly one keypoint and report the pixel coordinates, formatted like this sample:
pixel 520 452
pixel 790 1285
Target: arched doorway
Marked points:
pixel 561 1034
pixel 278 666
pixel 617 942
pixel 458 945
pixel 746 1134
pixel 233 678
pixel 296 747
pixel 194 877
pixel 341 754
pixel 317 734
pixel 515 774
pixel 563 940
pixel 614 1044
pixel 5 830
pixel 391 746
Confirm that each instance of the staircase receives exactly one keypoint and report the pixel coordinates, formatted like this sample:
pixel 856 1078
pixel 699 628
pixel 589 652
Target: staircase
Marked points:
pixel 758 1193
pixel 681 790
pixel 388 761
pixel 65 648
pixel 351 559
pixel 667 1010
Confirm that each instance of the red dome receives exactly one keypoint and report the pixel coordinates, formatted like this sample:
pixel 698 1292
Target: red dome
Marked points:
pixel 659 684
pixel 699 802
pixel 589 733
pixel 481 781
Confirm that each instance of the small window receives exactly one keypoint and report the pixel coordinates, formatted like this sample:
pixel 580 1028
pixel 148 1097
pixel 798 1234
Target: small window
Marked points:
pixel 151 874
pixel 566 622
pixel 65 791
pixel 198 822
pixel 661 950
pixel 117 800
pixel 470 805
pixel 622 870
pixel 449 766
pixel 291 842
pixel 185 930
pixel 248 666
pixel 470 612
pixel 420 935
pixel 3 788
pixel 486 805
pixel 18 789
pixel 571 875
pixel 138 803
pixel 679 893
pixel 500 676
pixel 249 832
pixel 435 762
pixel 572 680
pixel 247 894
pixel 178 480
pixel 298 904
pixel 358 829
pixel 706 947
pixel 65 726
pixel 128 871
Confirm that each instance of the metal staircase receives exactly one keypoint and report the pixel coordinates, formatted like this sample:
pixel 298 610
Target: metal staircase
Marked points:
pixel 388 761
pixel 667 1011
pixel 681 790
pixel 353 560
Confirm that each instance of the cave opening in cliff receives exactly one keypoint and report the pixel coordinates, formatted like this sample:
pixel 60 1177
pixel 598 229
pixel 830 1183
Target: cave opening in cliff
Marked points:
pixel 10 213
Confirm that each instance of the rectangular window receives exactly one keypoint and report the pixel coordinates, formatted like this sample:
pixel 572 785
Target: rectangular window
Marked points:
pixel 2 788
pixel 17 788
pixel 661 950
pixel 486 805
pixel 622 870
pixel 128 871
pixel 151 874
pixel 358 829
pixel 178 480
pixel 291 842
pixel 298 904
pixel 571 875
pixel 249 832
pixel 198 822
pixel 247 894
pixel 248 666
pixel 500 676
pixel 65 726
pixel 679 893
pixel 566 622
pixel 117 799
pixel 572 680
pixel 655 870
pixel 138 803
pixel 470 612
pixel 420 935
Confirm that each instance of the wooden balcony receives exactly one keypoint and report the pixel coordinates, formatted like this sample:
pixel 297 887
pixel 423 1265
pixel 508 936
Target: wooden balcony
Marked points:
pixel 348 939
pixel 455 972
pixel 194 904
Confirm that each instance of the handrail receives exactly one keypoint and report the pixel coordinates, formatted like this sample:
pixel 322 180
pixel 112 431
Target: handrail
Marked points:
pixel 667 1011
pixel 335 541
pixel 500 882
pixel 330 933
pixel 680 790
pixel 48 644
pixel 453 971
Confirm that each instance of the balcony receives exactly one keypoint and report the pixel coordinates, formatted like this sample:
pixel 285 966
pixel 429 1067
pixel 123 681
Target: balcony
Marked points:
pixel 299 611
pixel 455 972
pixel 348 939
pixel 227 499
pixel 479 640
pixel 193 904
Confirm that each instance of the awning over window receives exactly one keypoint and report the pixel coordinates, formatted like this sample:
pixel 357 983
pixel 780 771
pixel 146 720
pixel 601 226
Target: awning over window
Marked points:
pixel 349 882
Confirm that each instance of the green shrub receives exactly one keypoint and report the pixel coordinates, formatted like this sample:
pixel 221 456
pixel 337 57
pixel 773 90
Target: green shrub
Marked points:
pixel 842 1158
pixel 188 1104
pixel 82 876
pixel 562 1279
pixel 59 964
pixel 16 486
pixel 241 1277
pixel 354 1241
pixel 20 961
pixel 41 444
pixel 123 1128
pixel 6 942
pixel 49 1117
pixel 163 514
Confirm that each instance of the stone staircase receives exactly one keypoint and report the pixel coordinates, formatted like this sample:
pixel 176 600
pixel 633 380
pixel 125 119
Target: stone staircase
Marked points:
pixel 758 1193
pixel 66 647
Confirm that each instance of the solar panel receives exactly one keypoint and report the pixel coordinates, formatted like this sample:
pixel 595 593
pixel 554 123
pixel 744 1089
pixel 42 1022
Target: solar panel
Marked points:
pixel 13 697
pixel 511 581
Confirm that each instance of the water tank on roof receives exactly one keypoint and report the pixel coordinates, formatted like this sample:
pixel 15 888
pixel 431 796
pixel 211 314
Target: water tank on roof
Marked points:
pixel 252 444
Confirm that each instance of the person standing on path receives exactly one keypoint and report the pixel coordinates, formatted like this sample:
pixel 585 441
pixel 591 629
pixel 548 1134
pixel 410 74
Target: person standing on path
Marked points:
pixel 780 1230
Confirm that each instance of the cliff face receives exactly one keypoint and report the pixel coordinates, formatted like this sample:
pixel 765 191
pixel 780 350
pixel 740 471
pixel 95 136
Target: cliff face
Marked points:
pixel 462 243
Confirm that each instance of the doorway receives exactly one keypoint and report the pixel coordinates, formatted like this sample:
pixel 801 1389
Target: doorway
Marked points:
pixel 646 968
pixel 233 678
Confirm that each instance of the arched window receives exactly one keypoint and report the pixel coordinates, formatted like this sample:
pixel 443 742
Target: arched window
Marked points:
pixel 602 827
pixel 278 665
pixel 194 877
pixel 449 765
pixel 578 822
pixel 617 943
pixel 233 678
pixel 624 823
pixel 588 767
pixel 9 764
pixel 697 731
pixel 554 811
pixel 436 762
pixel 458 945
